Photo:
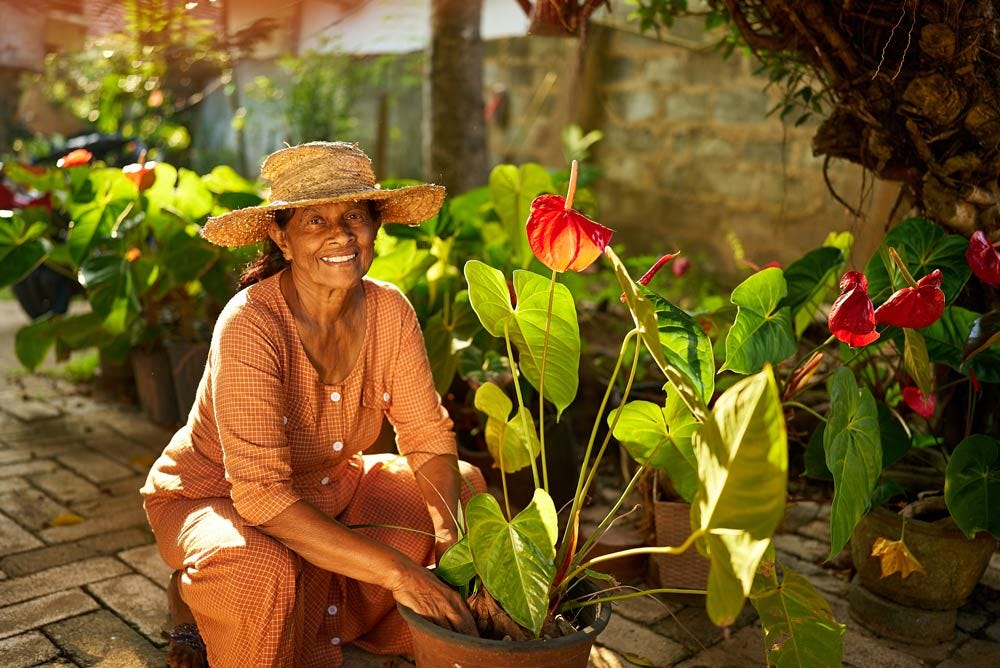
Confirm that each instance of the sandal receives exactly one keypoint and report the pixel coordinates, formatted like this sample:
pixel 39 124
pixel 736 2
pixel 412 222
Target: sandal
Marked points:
pixel 187 635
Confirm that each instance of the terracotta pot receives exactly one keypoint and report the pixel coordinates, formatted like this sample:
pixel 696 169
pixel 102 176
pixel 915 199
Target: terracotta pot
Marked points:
pixel 154 384
pixel 672 523
pixel 953 563
pixel 187 364
pixel 437 647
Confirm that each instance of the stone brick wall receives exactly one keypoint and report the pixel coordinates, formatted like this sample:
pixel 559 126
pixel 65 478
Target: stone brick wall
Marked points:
pixel 690 159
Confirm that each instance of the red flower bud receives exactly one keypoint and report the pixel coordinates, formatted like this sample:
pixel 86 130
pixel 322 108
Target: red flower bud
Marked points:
pixel 918 402
pixel 80 156
pixel 648 276
pixel 914 307
pixel 852 317
pixel 983 259
pixel 681 266
pixel 975 381
pixel 141 174
pixel 563 238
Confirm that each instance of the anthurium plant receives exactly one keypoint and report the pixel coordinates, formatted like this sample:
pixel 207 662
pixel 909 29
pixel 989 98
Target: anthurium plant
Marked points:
pixel 917 378
pixel 131 238
pixel 728 450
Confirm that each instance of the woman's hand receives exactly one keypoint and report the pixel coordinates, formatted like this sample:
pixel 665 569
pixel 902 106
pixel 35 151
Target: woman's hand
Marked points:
pixel 419 590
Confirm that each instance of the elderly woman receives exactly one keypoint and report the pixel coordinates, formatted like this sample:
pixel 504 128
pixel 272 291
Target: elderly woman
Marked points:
pixel 288 541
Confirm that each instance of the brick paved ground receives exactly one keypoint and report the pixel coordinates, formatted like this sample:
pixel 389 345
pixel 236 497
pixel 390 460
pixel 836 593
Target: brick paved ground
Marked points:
pixel 92 592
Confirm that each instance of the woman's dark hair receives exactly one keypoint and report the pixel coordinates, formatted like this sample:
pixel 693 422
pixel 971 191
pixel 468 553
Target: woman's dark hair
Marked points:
pixel 271 260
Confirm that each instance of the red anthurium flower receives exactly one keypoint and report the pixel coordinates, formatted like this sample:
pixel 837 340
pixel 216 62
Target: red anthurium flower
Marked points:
pixel 983 259
pixel 918 402
pixel 852 317
pixel 914 307
pixel 141 174
pixel 80 156
pixel 681 266
pixel 563 238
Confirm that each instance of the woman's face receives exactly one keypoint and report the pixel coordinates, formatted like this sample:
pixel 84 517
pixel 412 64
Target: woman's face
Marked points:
pixel 331 245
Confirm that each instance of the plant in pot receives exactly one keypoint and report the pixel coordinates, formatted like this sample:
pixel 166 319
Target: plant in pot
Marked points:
pixel 910 439
pixel 529 576
pixel 133 242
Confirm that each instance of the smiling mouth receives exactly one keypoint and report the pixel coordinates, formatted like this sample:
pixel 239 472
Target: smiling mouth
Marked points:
pixel 338 259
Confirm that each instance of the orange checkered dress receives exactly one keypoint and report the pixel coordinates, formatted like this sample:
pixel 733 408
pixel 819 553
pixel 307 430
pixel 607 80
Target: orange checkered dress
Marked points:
pixel 266 432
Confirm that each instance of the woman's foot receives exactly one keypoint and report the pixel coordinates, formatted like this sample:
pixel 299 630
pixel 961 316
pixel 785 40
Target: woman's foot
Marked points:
pixel 186 648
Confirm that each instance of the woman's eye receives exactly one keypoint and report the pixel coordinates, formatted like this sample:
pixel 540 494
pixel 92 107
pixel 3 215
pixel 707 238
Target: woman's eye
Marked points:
pixel 315 220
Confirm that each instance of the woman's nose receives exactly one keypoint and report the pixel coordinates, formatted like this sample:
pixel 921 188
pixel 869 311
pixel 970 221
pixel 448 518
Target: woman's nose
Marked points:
pixel 340 231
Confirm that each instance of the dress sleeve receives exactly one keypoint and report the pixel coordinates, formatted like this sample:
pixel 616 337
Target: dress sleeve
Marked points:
pixel 423 428
pixel 249 402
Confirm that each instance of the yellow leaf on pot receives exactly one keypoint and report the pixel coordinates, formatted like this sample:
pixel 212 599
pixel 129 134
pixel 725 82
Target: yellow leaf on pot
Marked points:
pixel 895 557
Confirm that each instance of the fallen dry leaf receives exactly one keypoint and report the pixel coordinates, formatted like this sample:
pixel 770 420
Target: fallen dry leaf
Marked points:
pixel 895 557
pixel 65 519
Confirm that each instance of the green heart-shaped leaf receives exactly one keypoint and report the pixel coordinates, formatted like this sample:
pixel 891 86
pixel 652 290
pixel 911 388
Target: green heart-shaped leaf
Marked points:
pixel 853 448
pixel 763 329
pixel 923 246
pixel 685 344
pixel 513 189
pixel 972 485
pixel 516 559
pixel 455 566
pixel 513 443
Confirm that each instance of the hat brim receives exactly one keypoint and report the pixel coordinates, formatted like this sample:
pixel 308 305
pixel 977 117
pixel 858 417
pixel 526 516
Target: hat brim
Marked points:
pixel 410 205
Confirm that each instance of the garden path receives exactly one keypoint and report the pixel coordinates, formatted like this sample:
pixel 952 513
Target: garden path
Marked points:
pixel 89 590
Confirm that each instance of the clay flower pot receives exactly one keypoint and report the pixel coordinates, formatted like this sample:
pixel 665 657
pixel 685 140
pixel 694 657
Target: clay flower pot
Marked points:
pixel 437 647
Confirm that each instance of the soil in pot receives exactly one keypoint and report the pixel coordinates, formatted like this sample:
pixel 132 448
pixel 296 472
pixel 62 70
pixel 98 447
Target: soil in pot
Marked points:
pixel 437 647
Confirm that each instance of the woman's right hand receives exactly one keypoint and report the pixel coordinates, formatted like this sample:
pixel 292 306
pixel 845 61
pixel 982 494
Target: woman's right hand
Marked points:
pixel 418 589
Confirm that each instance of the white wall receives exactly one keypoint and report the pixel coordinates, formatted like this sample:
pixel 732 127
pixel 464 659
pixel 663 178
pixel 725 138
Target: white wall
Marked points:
pixel 392 26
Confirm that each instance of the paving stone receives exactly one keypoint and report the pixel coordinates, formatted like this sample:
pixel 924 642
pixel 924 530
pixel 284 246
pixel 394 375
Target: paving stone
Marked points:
pixel 94 466
pixel 30 410
pixel 100 638
pixel 62 577
pixel 992 631
pixel 136 600
pixel 817 530
pixel 15 539
pixel 603 657
pixel 137 455
pixel 798 514
pixel 863 651
pixel 645 609
pixel 41 448
pixel 126 487
pixel 75 404
pixel 32 508
pixel 623 635
pixel 806 549
pixel 27 649
pixel 974 653
pixel 25 563
pixel 21 617
pixel 692 627
pixel 147 560
pixel 8 456
pixel 31 467
pixel 743 649
pixel 66 486
pixel 10 484
pixel 95 525
pixel 970 622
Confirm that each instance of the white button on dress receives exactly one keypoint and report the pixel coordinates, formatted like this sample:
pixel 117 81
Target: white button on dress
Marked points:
pixel 386 397
pixel 335 640
pixel 338 446
pixel 325 480
pixel 335 396
pixel 332 610
pixel 284 419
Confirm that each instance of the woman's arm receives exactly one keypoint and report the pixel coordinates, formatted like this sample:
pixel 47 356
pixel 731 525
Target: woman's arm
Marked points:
pixel 439 483
pixel 331 546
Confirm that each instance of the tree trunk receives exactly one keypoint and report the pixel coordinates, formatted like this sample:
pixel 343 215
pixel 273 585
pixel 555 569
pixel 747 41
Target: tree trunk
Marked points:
pixel 454 127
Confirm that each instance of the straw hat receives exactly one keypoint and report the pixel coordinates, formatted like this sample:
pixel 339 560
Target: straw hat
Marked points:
pixel 321 172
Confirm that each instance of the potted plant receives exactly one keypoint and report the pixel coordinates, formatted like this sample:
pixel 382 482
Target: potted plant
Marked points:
pixel 530 576
pixel 915 390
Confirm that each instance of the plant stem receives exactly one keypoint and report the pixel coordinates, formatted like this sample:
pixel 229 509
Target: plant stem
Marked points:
pixel 808 356
pixel 571 191
pixel 688 542
pixel 621 597
pixel 610 517
pixel 796 404
pixel 528 428
pixel 541 383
